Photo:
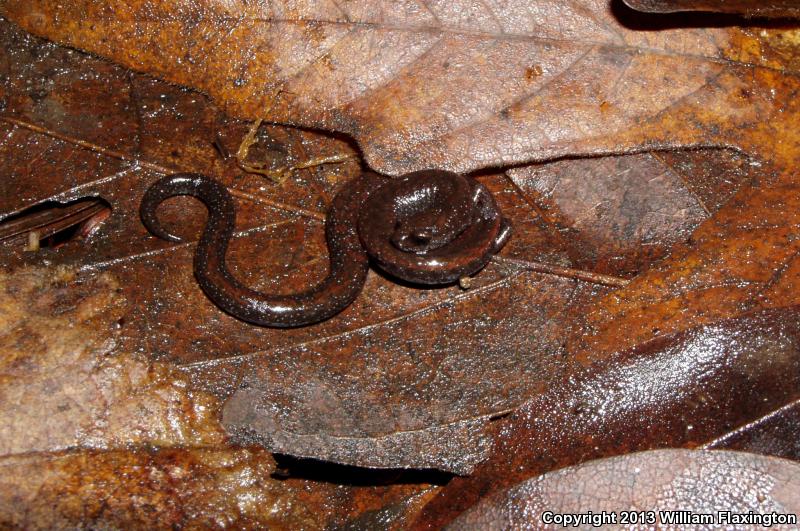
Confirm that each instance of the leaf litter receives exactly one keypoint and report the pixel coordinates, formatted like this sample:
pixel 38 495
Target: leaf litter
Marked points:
pixel 730 87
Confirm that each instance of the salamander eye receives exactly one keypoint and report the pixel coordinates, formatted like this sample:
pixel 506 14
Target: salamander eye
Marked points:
pixel 417 236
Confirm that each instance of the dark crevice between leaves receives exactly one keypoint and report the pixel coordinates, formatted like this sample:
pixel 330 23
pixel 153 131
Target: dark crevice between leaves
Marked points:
pixel 289 467
pixel 52 224
pixel 641 21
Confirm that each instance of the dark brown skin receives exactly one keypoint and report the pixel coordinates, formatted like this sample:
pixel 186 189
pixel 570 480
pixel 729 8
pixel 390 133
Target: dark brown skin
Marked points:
pixel 432 227
pixel 427 227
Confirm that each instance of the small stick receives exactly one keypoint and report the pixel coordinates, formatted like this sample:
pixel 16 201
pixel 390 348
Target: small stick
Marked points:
pixel 280 174
pixel 33 241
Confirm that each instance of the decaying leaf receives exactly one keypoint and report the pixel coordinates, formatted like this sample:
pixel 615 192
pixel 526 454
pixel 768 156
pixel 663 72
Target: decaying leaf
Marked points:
pixel 193 488
pixel 774 434
pixel 453 380
pixel 662 486
pixel 389 396
pixel 458 378
pixel 617 215
pixel 359 398
pixel 453 85
pixel 67 392
pixel 64 386
pixel 96 432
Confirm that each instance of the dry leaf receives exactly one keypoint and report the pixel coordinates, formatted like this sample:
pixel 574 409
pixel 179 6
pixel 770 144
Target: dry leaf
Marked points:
pixel 454 85
pixel 661 486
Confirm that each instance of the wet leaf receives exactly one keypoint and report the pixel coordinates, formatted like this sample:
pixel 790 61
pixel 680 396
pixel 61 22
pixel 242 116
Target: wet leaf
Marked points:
pixel 616 215
pixel 365 388
pixel 346 400
pixel 389 396
pixel 472 365
pixel 95 436
pixel 698 387
pixel 457 85
pixel 55 221
pixel 662 485
pixel 97 430
pixel 63 384
pixel 774 434
pixel 168 488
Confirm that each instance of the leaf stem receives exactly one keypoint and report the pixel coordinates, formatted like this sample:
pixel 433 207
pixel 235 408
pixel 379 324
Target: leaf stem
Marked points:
pixel 550 269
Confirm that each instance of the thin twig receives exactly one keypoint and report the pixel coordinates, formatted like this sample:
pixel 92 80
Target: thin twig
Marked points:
pixel 278 175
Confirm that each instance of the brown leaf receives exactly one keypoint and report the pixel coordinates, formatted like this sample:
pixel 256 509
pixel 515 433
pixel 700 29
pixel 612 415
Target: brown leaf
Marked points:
pixel 661 486
pixel 742 258
pixel 416 388
pixel 774 434
pixel 65 385
pixel 390 396
pixel 169 488
pixel 616 215
pixel 355 407
pixel 415 401
pixel 457 85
